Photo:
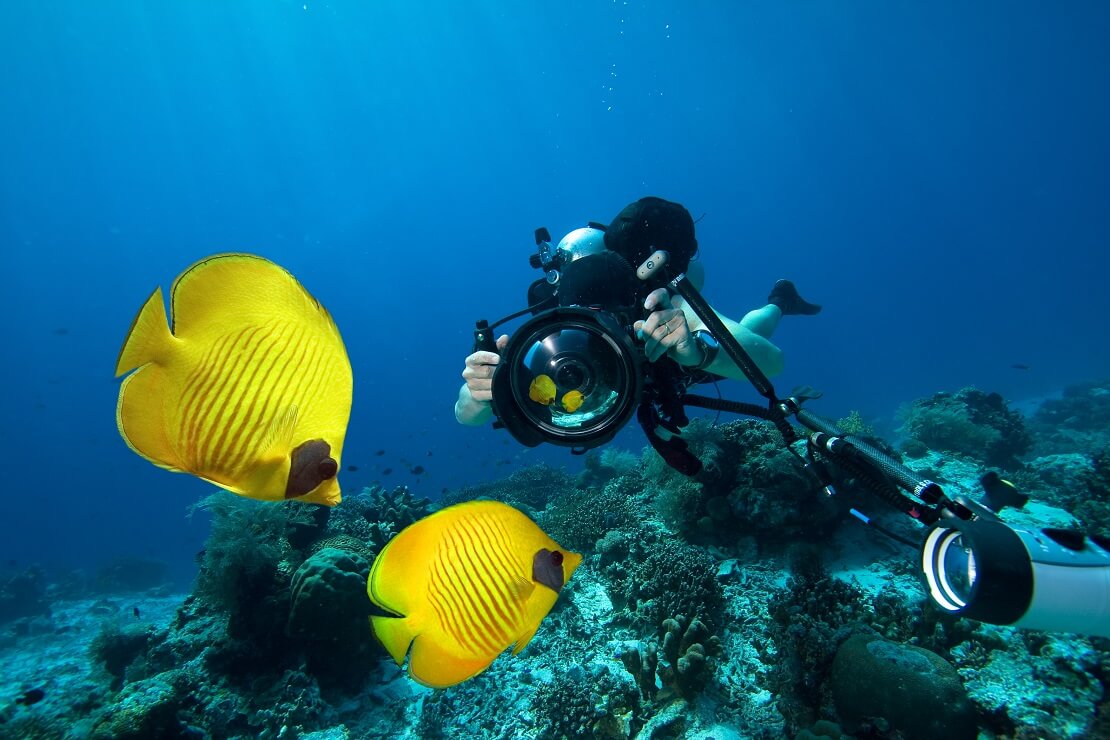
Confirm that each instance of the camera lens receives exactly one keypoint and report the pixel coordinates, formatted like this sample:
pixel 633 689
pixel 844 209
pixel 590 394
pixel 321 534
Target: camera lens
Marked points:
pixel 571 375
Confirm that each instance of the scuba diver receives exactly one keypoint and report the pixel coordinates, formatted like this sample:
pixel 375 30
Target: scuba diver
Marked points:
pixel 620 331
pixel 670 329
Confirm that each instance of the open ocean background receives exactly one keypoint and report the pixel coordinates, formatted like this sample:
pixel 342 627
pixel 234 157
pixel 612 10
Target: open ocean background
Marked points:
pixel 936 174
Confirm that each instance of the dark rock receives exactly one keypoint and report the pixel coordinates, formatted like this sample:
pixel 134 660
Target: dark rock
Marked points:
pixel 916 691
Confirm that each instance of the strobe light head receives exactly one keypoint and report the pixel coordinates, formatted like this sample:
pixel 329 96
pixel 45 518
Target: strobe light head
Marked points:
pixel 1050 579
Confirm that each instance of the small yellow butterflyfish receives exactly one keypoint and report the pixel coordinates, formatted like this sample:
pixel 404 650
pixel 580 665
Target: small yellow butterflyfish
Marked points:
pixel 542 390
pixel 572 400
pixel 466 583
pixel 247 386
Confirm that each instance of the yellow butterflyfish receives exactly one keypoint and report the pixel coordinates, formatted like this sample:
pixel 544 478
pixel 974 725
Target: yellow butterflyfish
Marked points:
pixel 467 582
pixel 542 390
pixel 572 400
pixel 248 386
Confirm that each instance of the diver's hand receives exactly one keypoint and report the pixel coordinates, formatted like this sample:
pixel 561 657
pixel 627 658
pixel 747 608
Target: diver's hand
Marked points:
pixel 478 372
pixel 666 332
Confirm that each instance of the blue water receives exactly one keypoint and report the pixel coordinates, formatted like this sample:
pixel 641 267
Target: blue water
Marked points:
pixel 936 174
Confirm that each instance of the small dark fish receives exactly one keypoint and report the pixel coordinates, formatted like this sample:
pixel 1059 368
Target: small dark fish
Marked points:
pixel 352 468
pixel 135 611
pixel 379 453
pixel 199 557
pixel 34 696
pixel 429 453
pixel 387 471
pixel 12 563
pixel 443 490
pixel 417 470
pixel 61 331
pixel 1019 366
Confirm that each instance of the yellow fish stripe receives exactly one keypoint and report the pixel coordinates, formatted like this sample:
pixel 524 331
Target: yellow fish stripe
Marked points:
pixel 453 614
pixel 488 585
pixel 479 620
pixel 259 412
pixel 500 558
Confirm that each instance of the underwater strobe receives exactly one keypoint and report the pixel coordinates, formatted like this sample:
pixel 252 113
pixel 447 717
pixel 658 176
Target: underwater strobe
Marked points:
pixel 1048 579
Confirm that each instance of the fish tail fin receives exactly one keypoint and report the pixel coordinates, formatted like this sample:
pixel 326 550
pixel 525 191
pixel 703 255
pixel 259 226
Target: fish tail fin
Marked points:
pixel 149 337
pixel 396 633
pixel 140 421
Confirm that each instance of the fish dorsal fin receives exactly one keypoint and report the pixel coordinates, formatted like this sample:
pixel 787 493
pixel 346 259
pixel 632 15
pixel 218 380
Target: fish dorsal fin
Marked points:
pixel 247 287
pixel 149 337
pixel 279 437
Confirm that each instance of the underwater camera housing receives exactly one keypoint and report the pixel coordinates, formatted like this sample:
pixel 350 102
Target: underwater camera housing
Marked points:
pixel 574 374
pixel 570 376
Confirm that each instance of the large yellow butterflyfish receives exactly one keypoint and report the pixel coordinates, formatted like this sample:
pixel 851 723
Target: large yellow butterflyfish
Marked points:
pixel 248 386
pixel 467 582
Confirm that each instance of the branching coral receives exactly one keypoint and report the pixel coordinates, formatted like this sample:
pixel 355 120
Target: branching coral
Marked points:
pixel 572 708
pixel 808 613
pixel 246 542
pixel 367 521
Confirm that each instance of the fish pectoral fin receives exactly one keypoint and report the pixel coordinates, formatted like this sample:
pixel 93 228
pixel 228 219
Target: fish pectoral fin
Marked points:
pixel 437 668
pixel 525 638
pixel 279 436
pixel 522 588
pixel 536 609
pixel 396 634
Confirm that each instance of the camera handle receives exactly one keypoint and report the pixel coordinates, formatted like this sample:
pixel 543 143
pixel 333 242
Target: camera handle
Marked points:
pixel 882 474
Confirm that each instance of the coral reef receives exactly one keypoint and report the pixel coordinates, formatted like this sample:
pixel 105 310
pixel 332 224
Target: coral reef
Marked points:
pixel 571 706
pixel 696 613
pixel 750 484
pixel 579 517
pixel 116 647
pixel 24 595
pixel 811 614
pixel 529 489
pixel 971 423
pixel 1077 422
pixel 329 614
pixel 368 520
pixel 1060 681
pixel 126 574
pixel 1076 483
pixel 652 576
